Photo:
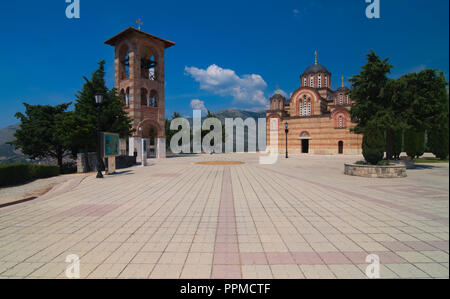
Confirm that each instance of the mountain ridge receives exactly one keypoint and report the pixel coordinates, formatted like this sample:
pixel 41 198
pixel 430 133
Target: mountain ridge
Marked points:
pixel 9 155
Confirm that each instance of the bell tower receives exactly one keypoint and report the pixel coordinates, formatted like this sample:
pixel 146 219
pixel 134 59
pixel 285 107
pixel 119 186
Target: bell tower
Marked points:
pixel 139 78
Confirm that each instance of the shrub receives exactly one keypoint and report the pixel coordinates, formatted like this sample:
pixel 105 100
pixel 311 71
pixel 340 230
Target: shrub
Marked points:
pixel 69 167
pixel 373 145
pixel 19 173
pixel 414 143
pixel 384 163
pixel 397 143
pixel 438 139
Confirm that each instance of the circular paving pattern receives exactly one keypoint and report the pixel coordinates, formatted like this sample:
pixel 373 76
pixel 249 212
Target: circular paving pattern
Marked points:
pixel 220 163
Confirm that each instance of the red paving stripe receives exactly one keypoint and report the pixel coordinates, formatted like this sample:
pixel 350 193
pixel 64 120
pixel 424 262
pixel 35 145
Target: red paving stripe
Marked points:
pixel 254 258
pixel 280 258
pixel 419 246
pixel 396 246
pixel 226 262
pixel 442 245
pixel 226 272
pixel 307 258
pixel 334 258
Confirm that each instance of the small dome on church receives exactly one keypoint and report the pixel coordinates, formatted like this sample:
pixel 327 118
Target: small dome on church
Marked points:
pixel 315 68
pixel 277 96
pixel 345 88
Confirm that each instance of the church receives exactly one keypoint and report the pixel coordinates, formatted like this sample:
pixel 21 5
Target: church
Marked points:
pixel 317 117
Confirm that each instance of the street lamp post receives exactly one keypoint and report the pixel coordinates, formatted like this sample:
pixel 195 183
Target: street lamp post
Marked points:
pixel 143 147
pixel 98 102
pixel 286 130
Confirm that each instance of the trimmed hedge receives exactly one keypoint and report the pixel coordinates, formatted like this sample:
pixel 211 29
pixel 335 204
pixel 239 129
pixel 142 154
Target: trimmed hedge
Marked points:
pixel 373 145
pixel 18 173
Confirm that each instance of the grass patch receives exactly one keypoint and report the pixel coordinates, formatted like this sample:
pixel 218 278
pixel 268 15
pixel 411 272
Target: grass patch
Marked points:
pixel 430 160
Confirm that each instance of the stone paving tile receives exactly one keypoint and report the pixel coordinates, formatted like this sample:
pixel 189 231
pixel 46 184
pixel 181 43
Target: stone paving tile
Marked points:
pixel 385 272
pixel 307 258
pixel 256 272
pixel 300 218
pixel 434 270
pixel 437 256
pixel 407 271
pixel 317 272
pixel 137 271
pixel 347 272
pixel 414 257
pixel 196 271
pixel 226 272
pixel 286 272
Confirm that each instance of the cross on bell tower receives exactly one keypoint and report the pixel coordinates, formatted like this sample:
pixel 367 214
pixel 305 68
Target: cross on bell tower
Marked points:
pixel 139 22
pixel 139 78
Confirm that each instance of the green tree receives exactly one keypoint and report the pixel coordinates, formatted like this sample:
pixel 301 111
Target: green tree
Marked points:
pixel 421 99
pixel 414 143
pixel 372 92
pixel 438 135
pixel 40 134
pixel 397 143
pixel 83 121
pixel 438 139
pixel 373 144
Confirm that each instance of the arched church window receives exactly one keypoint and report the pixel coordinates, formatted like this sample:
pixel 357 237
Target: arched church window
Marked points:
pixel 124 62
pixel 320 81
pixel 144 101
pixel 347 100
pixel 305 82
pixel 154 98
pixel 305 106
pixel 341 122
pixel 311 81
pixel 326 81
pixel 122 96
pixel 127 97
pixel 148 65
pixel 341 99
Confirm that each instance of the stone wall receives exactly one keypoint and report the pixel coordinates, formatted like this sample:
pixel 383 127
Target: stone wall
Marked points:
pixel 323 134
pixel 81 162
pixel 369 171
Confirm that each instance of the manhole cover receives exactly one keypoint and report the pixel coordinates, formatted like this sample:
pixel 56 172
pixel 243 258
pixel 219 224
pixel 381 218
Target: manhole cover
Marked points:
pixel 220 163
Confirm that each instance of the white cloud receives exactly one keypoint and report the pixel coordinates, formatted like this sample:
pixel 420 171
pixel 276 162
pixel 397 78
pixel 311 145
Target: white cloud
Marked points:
pixel 296 11
pixel 196 104
pixel 248 89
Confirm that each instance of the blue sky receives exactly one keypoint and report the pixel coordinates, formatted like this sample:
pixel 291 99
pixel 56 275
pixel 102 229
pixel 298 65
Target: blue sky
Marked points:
pixel 229 54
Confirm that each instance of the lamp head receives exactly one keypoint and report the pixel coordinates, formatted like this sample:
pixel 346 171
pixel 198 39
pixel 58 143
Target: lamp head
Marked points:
pixel 98 98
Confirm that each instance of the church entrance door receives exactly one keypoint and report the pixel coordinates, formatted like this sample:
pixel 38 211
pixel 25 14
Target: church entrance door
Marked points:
pixel 341 147
pixel 305 146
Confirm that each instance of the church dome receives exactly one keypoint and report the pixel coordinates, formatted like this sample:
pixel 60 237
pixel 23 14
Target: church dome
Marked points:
pixel 277 96
pixel 345 88
pixel 315 68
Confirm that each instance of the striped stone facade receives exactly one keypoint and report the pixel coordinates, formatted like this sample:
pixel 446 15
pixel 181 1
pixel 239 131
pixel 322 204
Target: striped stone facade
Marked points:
pixel 318 118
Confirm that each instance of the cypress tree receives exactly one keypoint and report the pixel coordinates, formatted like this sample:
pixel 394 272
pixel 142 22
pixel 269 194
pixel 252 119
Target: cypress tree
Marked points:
pixel 373 145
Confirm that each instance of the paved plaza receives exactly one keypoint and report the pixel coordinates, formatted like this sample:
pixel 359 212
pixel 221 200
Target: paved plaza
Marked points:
pixel 298 218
